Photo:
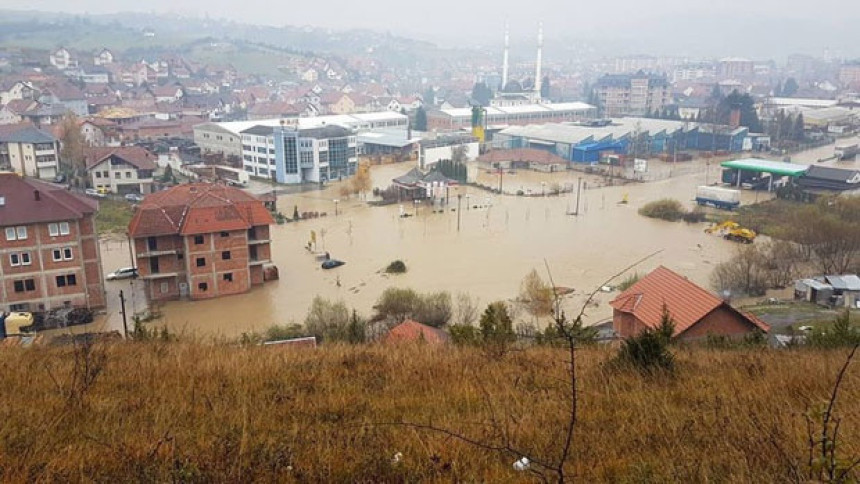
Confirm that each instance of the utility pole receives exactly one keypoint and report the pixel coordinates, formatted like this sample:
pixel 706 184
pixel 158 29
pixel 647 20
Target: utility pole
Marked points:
pixel 501 171
pixel 578 190
pixel 459 200
pixel 122 308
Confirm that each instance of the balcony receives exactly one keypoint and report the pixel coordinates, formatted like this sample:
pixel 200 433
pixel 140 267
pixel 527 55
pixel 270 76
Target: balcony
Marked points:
pixel 156 253
pixel 259 241
pixel 159 275
pixel 258 262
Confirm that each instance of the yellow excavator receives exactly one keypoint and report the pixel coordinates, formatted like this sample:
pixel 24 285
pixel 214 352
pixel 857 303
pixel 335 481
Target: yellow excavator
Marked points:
pixel 732 231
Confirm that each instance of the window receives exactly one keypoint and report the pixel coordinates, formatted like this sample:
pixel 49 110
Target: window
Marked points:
pixel 57 255
pixel 203 286
pixel 198 239
pixel 19 259
pixel 16 233
pixel 106 174
pixel 67 253
pixel 53 230
pixel 228 277
pixel 165 287
pixel 225 255
pixel 24 285
pixel 67 280
pixel 225 234
pixel 98 174
pixel 64 228
pixel 128 174
pixel 201 262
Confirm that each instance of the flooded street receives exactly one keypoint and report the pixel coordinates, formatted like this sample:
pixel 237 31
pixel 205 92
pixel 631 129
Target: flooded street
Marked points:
pixel 501 239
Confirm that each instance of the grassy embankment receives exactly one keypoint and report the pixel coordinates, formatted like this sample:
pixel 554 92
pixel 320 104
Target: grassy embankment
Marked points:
pixel 156 412
pixel 113 217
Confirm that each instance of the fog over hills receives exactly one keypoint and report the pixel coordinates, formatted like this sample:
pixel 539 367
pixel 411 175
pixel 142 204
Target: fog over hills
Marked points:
pixel 763 29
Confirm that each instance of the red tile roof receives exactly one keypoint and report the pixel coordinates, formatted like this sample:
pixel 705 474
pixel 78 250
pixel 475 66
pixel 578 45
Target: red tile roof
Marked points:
pixel 134 155
pixel 55 203
pixel 409 331
pixel 686 302
pixel 198 208
pixel 531 155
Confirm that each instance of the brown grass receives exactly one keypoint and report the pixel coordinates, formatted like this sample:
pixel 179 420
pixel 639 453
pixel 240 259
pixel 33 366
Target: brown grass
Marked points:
pixel 191 412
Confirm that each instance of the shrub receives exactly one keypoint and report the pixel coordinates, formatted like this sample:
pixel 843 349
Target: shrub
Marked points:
pixel 536 295
pixel 629 281
pixel 497 328
pixel 664 209
pixel 396 305
pixel 837 334
pixel 435 309
pixel 396 267
pixel 331 321
pixel 464 334
pixel 694 216
pixel 649 352
pixel 277 333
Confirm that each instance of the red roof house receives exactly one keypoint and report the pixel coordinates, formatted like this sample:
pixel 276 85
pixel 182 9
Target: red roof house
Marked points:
pixel 412 331
pixel 697 313
pixel 201 240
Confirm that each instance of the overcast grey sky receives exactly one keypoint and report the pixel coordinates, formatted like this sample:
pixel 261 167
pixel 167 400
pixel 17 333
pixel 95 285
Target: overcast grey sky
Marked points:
pixel 823 23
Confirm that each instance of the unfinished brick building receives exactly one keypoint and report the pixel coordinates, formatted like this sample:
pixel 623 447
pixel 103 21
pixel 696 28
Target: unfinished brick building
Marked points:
pixel 200 241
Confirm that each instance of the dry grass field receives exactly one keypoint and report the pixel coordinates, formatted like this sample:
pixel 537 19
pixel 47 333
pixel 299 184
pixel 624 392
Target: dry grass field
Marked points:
pixel 179 411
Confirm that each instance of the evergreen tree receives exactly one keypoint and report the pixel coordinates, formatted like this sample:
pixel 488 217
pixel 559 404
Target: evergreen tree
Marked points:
pixel 430 97
pixel 790 87
pixel 797 128
pixel 421 119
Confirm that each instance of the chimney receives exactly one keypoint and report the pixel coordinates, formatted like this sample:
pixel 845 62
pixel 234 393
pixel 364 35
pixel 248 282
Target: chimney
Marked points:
pixel 36 195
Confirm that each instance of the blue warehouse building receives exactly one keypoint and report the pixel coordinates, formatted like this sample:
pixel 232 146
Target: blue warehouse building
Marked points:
pixel 586 142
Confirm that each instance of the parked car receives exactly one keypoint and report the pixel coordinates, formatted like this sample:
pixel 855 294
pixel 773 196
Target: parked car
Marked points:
pixel 134 197
pixel 95 193
pixel 60 178
pixel 332 263
pixel 124 273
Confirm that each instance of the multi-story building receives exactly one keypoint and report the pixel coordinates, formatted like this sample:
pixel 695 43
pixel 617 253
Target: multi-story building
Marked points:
pixel 29 151
pixel 258 151
pixel 121 169
pixel 314 155
pixel 632 94
pixel 735 67
pixel 49 254
pixel 200 241
pixel 849 75
pixel 226 137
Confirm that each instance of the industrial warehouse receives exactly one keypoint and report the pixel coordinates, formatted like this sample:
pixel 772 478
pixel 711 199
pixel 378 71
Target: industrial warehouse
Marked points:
pixel 586 142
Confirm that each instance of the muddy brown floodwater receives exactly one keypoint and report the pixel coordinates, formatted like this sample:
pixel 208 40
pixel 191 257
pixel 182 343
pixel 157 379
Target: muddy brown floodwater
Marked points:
pixel 501 239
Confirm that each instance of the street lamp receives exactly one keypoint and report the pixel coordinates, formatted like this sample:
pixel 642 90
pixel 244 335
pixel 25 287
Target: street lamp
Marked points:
pixel 336 201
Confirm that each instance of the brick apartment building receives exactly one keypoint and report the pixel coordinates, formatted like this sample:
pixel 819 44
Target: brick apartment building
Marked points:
pixel 200 241
pixel 49 254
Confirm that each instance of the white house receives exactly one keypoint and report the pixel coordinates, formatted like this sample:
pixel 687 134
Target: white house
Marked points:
pixel 17 90
pixel 62 59
pixel 122 169
pixel 103 58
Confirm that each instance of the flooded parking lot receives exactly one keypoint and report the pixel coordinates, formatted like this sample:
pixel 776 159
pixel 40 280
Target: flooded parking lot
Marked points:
pixel 500 239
